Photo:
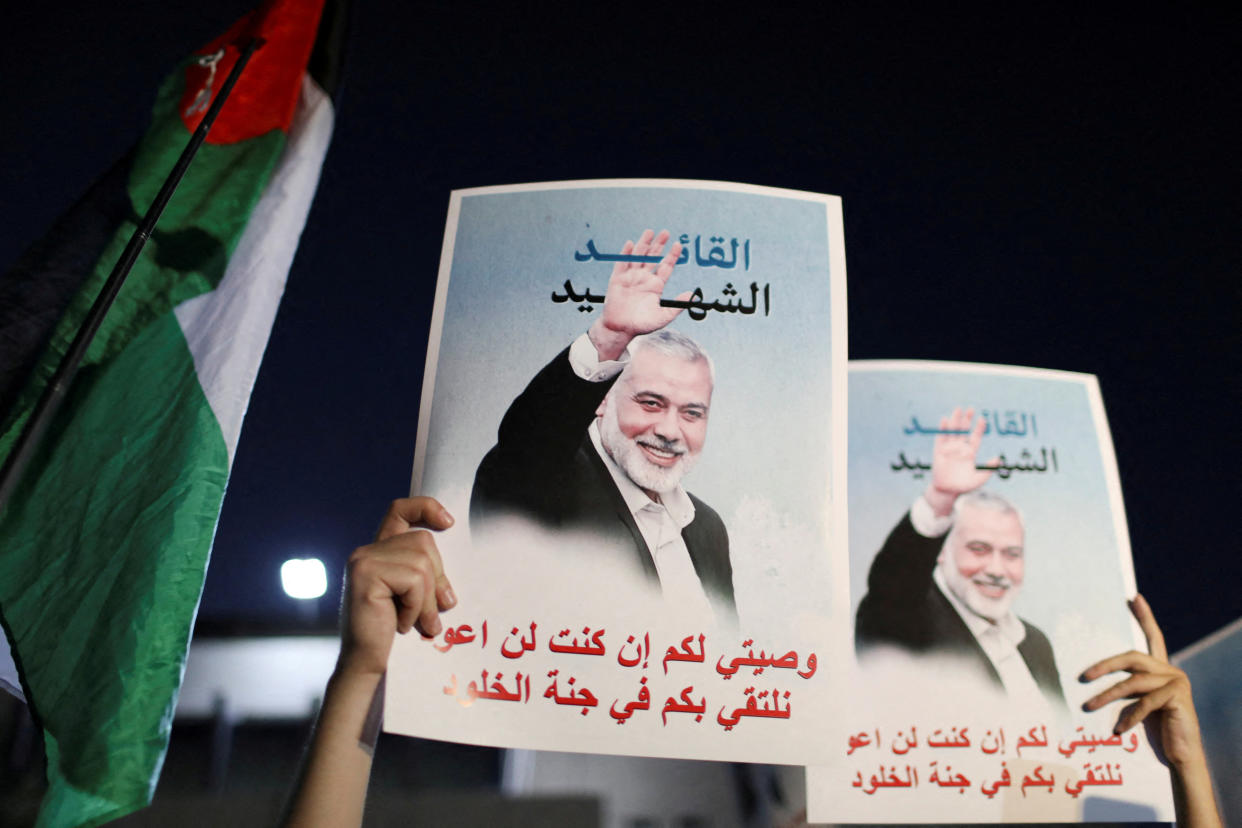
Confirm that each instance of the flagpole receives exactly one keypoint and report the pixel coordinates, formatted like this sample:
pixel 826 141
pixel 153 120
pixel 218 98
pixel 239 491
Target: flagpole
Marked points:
pixel 54 394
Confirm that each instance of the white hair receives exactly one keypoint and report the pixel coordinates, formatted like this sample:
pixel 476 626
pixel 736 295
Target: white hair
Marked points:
pixel 674 344
pixel 987 501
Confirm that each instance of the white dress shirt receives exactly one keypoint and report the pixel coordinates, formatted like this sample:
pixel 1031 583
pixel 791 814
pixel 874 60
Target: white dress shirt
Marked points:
pixel 660 523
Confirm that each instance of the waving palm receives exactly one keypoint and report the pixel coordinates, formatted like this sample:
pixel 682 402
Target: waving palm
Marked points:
pixel 632 305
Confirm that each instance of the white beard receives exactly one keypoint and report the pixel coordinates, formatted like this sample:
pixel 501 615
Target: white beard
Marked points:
pixel 993 609
pixel 627 454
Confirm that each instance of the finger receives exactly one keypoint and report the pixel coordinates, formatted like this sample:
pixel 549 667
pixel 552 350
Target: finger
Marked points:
pixel 429 615
pixel 672 313
pixel 657 247
pixel 962 421
pixel 413 582
pixel 1136 685
pixel 1134 661
pixel 1147 620
pixel 626 249
pixel 657 244
pixel 445 598
pixel 408 548
pixel 666 266
pixel 382 583
pixel 643 245
pixel 408 512
pixel 407 617
pixel 417 600
pixel 955 419
pixel 976 435
pixel 1144 707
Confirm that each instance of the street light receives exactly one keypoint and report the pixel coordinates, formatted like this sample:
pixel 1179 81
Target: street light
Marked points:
pixel 304 578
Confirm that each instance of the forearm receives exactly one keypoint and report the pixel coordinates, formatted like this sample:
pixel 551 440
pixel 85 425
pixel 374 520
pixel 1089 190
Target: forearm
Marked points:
pixel 333 786
pixel 392 586
pixel 940 501
pixel 550 417
pixel 1192 795
pixel 901 571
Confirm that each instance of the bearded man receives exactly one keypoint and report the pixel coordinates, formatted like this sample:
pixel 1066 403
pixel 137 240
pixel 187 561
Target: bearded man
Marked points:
pixel 945 581
pixel 600 439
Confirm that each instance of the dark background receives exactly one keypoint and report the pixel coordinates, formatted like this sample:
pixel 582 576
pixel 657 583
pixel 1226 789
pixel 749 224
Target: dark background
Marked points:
pixel 1056 189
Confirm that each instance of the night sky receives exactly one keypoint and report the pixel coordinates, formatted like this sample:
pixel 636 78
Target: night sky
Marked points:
pixel 1052 190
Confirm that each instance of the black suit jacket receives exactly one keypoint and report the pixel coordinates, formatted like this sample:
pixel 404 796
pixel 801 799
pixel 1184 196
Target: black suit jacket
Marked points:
pixel 544 467
pixel 904 607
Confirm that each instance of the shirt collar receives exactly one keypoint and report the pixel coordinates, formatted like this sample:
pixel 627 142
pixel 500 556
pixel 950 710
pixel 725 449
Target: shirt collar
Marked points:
pixel 676 502
pixel 1010 626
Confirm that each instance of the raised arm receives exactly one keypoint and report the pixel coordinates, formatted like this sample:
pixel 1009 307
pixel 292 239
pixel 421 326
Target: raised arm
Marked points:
pixel 392 586
pixel 632 304
pixel 955 468
pixel 1166 707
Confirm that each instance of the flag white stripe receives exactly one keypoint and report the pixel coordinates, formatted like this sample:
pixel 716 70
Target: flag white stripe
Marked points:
pixel 227 329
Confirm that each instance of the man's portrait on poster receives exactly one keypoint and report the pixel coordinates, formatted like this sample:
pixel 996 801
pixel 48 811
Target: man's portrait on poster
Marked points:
pixel 600 441
pixel 947 577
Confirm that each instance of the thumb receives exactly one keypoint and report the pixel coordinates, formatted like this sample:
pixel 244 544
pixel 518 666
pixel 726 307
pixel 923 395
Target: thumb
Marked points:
pixel 409 512
pixel 672 313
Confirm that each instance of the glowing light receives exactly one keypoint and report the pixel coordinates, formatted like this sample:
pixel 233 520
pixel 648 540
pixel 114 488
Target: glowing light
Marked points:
pixel 304 578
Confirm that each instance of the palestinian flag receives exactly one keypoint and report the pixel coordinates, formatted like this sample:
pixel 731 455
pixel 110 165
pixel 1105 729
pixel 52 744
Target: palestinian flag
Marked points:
pixel 104 544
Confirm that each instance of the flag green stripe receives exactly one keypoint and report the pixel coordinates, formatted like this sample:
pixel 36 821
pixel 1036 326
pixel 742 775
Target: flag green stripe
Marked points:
pixel 77 575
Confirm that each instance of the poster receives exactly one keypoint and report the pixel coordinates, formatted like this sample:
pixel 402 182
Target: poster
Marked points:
pixel 1037 564
pixel 564 476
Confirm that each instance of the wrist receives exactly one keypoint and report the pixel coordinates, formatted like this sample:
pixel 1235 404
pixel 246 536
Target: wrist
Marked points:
pixel 609 344
pixel 940 501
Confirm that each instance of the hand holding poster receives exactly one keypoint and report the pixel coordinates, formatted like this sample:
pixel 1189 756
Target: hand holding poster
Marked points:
pixel 627 584
pixel 989 567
